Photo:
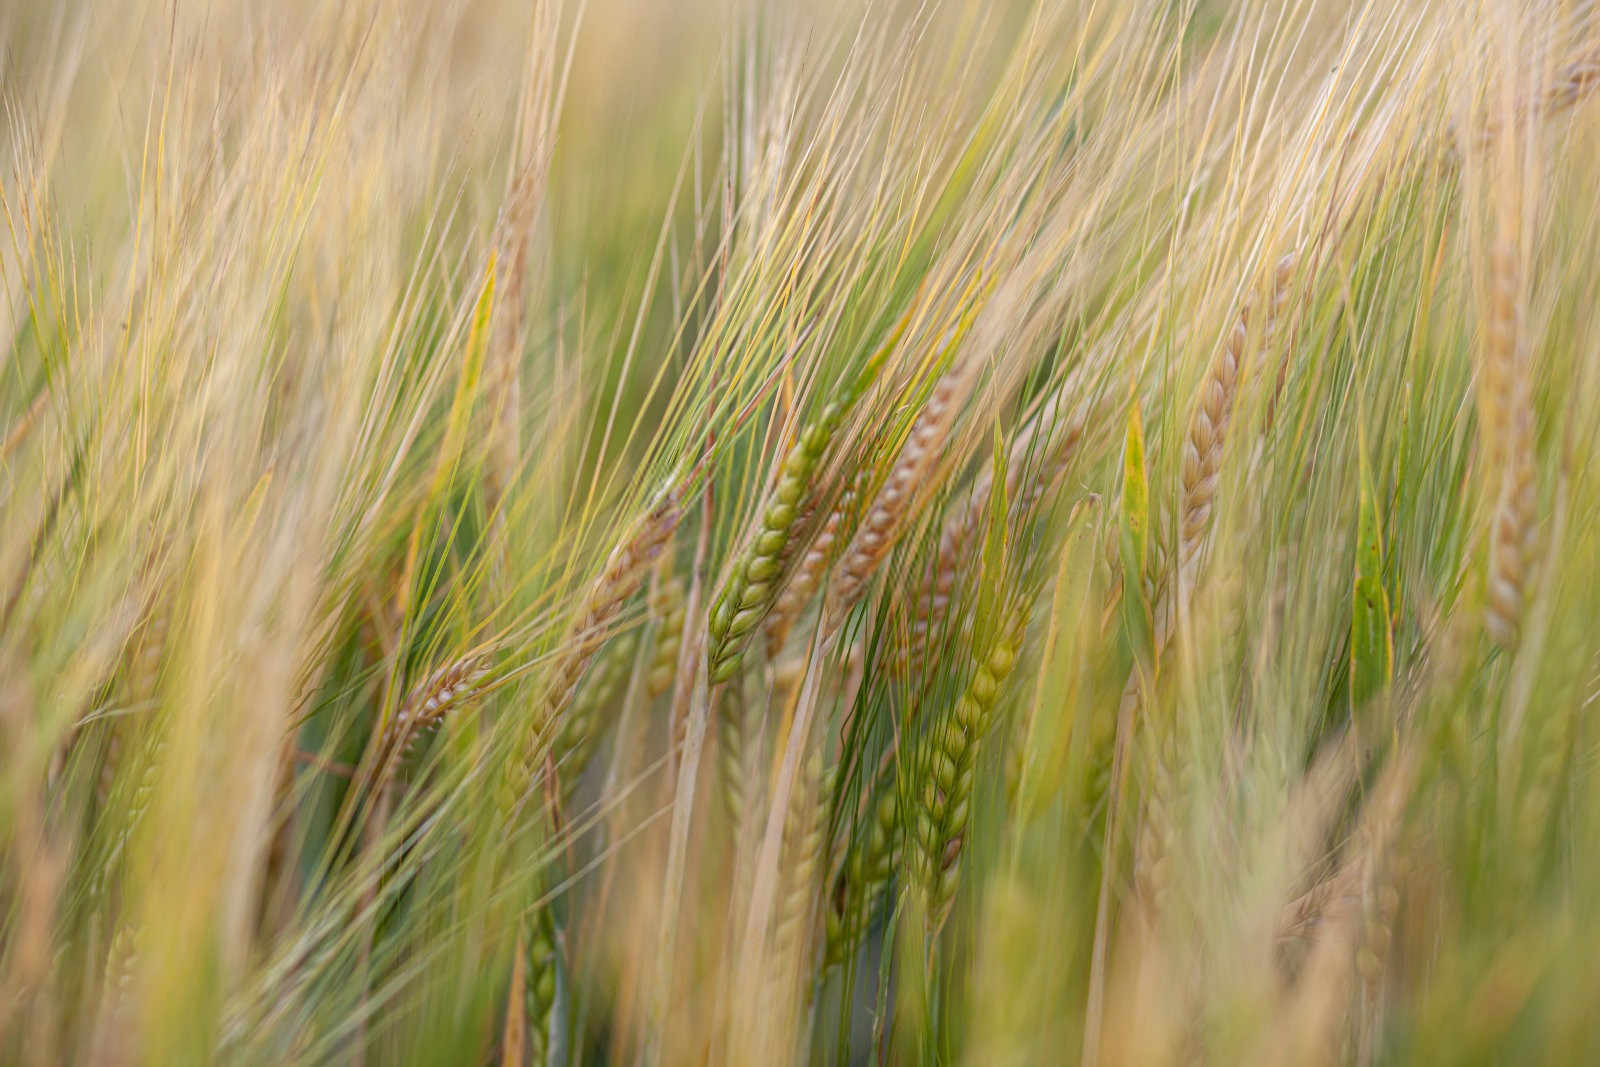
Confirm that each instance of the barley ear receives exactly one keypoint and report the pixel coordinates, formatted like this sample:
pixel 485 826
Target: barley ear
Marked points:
pixel 667 608
pixel 432 700
pixel 541 983
pixel 813 565
pixel 949 764
pixel 880 526
pixel 803 832
pixel 620 578
pixel 752 587
pixel 590 713
pixel 863 881
pixel 884 520
pixel 738 747
pixel 1506 402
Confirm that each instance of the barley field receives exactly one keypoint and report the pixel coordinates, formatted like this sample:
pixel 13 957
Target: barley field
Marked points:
pixel 799 532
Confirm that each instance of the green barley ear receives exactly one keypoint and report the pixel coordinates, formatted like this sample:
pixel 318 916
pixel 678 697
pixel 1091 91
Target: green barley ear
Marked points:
pixel 944 801
pixel 119 992
pixel 541 977
pixel 752 586
pixel 1547 771
pixel 1371 635
pixel 756 581
pixel 863 881
pixel 812 567
pixel 1032 473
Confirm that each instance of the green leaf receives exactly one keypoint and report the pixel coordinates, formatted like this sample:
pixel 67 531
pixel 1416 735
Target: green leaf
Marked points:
pixel 1371 635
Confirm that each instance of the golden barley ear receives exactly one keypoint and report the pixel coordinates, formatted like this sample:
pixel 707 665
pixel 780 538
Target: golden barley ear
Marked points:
pixel 432 700
pixel 812 567
pixel 875 535
pixel 1505 391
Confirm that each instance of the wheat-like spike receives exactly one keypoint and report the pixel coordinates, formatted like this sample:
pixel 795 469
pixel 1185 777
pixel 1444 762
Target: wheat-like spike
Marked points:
pixel 1300 916
pixel 1027 481
pixel 864 880
pixel 736 744
pixel 1572 82
pixel 1354 913
pixel 1208 425
pixel 138 684
pixel 1201 457
pixel 1363 890
pixel 945 799
pixel 1380 902
pixel 1512 534
pixel 1153 845
pixel 137 804
pixel 1514 539
pixel 1101 745
pixel 540 946
pixel 805 577
pixel 808 573
pixel 621 577
pixel 882 523
pixel 752 586
pixel 1202 446
pixel 667 608
pixel 144 674
pixel 432 700
pixel 587 719
pixel 930 604
pixel 803 831
pixel 114 1040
